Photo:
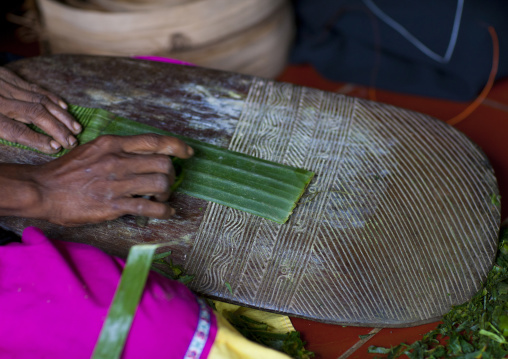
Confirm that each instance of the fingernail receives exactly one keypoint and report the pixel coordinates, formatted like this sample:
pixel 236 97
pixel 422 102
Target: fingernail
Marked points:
pixel 77 127
pixel 55 145
pixel 72 140
pixel 190 151
pixel 62 105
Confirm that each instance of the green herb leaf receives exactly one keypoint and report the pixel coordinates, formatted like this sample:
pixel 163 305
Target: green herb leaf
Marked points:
pixel 228 286
pixel 171 271
pixel 378 350
pixel 365 336
pixel 262 333
pixel 161 256
pixel 495 199
pixel 476 329
pixel 492 336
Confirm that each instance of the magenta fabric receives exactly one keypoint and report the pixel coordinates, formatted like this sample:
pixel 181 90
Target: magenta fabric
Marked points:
pixel 164 59
pixel 54 297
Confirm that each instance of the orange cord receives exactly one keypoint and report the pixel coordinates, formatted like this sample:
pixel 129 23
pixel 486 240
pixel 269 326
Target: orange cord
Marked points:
pixel 488 86
pixel 372 93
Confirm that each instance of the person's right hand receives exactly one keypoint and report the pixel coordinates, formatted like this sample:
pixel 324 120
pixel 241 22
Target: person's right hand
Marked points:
pixel 101 180
pixel 23 103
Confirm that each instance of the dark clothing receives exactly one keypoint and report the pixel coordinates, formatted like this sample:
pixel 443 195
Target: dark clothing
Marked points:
pixel 427 47
pixel 8 237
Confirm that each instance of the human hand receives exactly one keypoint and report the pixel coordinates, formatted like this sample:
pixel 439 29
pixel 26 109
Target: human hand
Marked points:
pixel 97 181
pixel 23 103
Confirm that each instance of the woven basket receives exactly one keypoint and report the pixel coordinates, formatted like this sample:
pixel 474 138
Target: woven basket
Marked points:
pixel 248 36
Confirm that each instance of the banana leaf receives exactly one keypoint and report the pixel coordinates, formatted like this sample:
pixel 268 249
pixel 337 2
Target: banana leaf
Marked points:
pixel 215 174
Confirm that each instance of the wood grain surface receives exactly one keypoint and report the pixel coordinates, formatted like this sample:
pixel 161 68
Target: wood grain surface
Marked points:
pixel 398 225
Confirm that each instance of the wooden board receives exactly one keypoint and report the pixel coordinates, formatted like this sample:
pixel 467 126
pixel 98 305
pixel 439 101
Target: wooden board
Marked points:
pixel 397 226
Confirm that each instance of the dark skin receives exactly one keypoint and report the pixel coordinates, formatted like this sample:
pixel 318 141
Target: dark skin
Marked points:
pixel 24 103
pixel 101 180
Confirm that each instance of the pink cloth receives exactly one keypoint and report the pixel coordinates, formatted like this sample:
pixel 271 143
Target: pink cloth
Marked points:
pixel 54 297
pixel 164 59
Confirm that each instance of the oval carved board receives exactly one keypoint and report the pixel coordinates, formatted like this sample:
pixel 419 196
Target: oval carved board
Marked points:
pixel 397 226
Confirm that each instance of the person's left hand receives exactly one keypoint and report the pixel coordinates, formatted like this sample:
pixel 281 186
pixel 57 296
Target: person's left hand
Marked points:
pixel 23 103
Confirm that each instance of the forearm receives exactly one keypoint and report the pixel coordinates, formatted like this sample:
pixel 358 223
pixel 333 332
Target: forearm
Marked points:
pixel 19 195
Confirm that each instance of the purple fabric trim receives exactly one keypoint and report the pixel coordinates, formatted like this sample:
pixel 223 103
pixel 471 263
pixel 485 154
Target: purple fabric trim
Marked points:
pixel 163 59
pixel 202 334
pixel 211 335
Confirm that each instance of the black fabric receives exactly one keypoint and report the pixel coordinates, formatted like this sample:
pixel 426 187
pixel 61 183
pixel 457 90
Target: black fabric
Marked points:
pixel 6 57
pixel 348 41
pixel 8 237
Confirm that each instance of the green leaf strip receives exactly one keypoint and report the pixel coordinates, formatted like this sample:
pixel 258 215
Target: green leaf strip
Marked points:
pixel 128 293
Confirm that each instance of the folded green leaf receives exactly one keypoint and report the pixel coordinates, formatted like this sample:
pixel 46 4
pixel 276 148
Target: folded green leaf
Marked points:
pixel 215 174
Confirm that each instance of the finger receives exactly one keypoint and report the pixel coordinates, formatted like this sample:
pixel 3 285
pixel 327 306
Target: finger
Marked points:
pixel 144 164
pixel 38 114
pixel 54 98
pixel 14 92
pixel 13 79
pixel 155 184
pixel 123 166
pixel 153 143
pixel 64 117
pixel 18 132
pixel 42 118
pixel 143 207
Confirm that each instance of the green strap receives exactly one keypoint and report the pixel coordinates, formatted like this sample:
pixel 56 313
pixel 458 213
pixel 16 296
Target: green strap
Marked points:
pixel 215 174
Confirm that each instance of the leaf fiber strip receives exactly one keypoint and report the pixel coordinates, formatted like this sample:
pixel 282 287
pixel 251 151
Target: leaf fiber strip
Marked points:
pixel 125 302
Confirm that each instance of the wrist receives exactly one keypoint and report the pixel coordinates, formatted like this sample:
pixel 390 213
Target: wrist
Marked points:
pixel 19 193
